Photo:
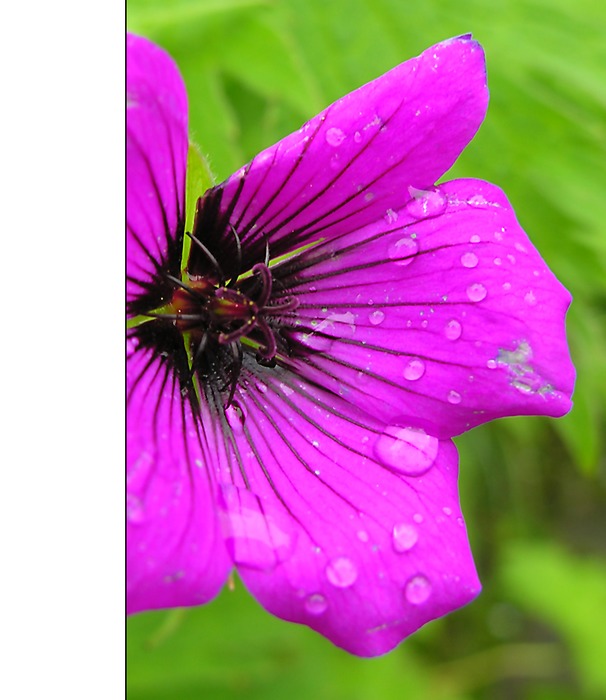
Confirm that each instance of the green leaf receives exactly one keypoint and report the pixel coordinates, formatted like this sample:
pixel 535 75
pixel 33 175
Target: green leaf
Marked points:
pixel 569 593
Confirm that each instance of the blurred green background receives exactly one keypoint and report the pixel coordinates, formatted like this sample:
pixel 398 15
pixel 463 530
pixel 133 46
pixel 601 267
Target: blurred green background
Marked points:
pixel 533 490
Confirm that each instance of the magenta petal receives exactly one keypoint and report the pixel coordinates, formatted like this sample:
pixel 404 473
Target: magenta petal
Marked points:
pixel 345 525
pixel 442 314
pixel 176 553
pixel 157 142
pixel 348 165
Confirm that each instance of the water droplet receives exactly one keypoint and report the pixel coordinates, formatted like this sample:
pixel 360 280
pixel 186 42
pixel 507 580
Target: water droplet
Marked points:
pixel 418 589
pixel 362 535
pixel 453 397
pixel 404 537
pixel 491 364
pixel 376 317
pixel 135 512
pixel 414 370
pixel 418 518
pixel 477 201
pixel 369 196
pixel 476 292
pixel 447 511
pixel 507 286
pixel 453 330
pixel 341 572
pixel 131 345
pixel 475 238
pixel 391 216
pixel 511 258
pixel 357 137
pixel 262 387
pixel 497 261
pixel 530 298
pixel 403 251
pixel 316 604
pixel 409 451
pixel 253 536
pixel 426 203
pixel 520 247
pixel 288 391
pixel 334 136
pixel 469 260
pixel 235 417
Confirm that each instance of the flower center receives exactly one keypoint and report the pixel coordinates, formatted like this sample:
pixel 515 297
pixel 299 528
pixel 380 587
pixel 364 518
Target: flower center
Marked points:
pixel 225 314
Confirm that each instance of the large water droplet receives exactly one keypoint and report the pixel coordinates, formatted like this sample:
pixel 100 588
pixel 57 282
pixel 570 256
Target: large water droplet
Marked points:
pixel 341 572
pixel 253 537
pixel 418 589
pixel 453 330
pixel 426 203
pixel 469 260
pixel 414 370
pixel 409 451
pixel 376 317
pixel 316 604
pixel 334 136
pixel 476 292
pixel 404 537
pixel 403 251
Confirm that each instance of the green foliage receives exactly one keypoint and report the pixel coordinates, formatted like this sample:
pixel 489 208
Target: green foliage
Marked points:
pixel 533 489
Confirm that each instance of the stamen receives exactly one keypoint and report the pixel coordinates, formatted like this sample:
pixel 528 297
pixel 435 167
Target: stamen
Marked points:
pixel 286 304
pixel 233 281
pixel 209 256
pixel 261 270
pixel 192 292
pixel 269 351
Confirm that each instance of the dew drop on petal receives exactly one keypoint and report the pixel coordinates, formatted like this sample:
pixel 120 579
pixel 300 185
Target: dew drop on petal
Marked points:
pixel 408 451
pixel 334 136
pixel 341 572
pixel 404 537
pixel 391 216
pixel 414 370
pixel 418 518
pixel 235 417
pixel 316 604
pixel 135 512
pixel 469 260
pixel 357 137
pixel 530 298
pixel 453 397
pixel 376 317
pixel 403 251
pixel 476 292
pixel 262 387
pixel 426 203
pixel 362 535
pixel 131 346
pixel 418 589
pixel 253 537
pixel 453 330
pixel 475 238
pixel 491 364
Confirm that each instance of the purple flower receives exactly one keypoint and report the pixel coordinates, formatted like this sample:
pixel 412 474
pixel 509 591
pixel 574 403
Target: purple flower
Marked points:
pixel 295 382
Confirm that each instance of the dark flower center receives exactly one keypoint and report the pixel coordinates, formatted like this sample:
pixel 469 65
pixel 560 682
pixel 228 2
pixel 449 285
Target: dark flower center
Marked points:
pixel 221 314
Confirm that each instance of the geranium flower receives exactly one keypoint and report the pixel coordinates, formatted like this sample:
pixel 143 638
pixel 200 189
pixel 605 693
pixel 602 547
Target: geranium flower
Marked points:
pixel 295 382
